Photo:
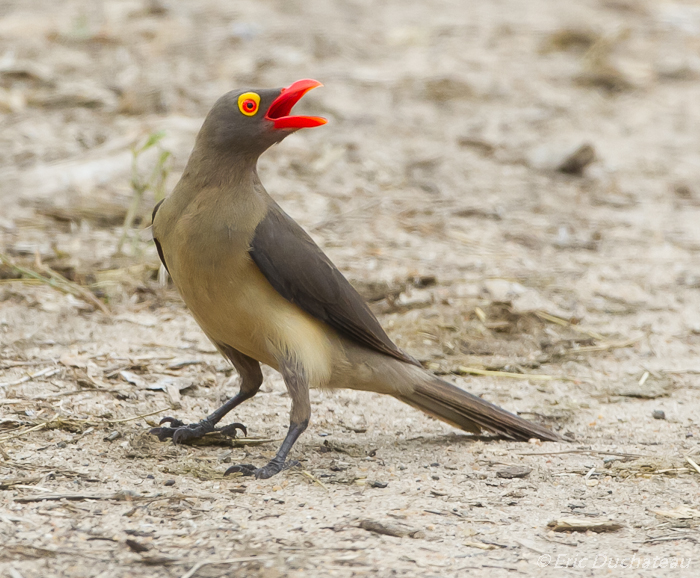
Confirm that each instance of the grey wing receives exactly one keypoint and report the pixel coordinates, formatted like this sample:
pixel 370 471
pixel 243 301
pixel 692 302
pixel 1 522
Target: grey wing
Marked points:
pixel 297 268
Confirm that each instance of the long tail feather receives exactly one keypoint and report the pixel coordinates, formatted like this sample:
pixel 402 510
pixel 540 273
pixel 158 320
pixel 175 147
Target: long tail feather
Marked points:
pixel 468 412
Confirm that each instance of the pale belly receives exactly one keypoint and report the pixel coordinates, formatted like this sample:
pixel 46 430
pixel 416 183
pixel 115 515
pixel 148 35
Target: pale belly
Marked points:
pixel 236 305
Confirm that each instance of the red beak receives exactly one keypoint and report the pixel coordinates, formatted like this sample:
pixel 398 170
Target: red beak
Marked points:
pixel 280 108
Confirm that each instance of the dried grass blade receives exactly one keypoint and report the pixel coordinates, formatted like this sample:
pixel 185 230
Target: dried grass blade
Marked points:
pixel 57 281
pixel 534 376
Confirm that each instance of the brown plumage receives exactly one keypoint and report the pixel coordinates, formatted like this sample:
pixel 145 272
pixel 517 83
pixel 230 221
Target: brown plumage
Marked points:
pixel 263 291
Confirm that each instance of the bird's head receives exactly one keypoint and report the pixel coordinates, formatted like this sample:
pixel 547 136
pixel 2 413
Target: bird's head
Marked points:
pixel 250 121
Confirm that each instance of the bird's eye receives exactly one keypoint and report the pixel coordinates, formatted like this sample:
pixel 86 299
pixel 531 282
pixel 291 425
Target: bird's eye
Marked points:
pixel 248 103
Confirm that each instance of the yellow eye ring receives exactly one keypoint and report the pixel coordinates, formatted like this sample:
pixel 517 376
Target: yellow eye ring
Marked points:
pixel 248 103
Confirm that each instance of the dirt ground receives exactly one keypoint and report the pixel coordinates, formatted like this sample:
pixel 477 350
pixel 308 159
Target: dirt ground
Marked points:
pixel 515 187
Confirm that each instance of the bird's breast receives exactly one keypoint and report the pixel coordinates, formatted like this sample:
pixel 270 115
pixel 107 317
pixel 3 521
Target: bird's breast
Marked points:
pixel 235 304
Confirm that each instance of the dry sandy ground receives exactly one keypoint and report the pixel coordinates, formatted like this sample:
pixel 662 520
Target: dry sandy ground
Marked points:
pixel 437 186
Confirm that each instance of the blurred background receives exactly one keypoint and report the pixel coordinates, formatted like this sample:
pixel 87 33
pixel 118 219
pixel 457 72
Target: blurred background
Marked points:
pixel 438 111
pixel 556 145
pixel 513 185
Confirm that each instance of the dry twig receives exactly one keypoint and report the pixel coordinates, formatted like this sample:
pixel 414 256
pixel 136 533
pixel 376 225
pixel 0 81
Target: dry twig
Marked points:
pixel 607 346
pixel 315 479
pixel 692 462
pixel 534 376
pixel 57 281
pixel 566 323
pixel 583 525
pixel 126 419
pixel 585 452
pixel 37 427
pixel 199 565
pixel 46 372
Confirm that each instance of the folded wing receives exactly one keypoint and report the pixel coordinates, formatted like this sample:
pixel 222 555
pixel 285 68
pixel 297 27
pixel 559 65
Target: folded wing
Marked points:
pixel 297 268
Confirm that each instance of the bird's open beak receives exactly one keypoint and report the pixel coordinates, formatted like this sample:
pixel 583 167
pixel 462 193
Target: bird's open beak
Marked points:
pixel 280 108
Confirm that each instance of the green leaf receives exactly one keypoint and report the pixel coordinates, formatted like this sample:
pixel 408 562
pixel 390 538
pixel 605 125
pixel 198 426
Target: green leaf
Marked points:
pixel 153 139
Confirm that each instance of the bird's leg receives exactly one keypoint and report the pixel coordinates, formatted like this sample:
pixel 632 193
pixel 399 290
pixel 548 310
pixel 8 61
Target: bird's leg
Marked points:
pixel 251 379
pixel 298 388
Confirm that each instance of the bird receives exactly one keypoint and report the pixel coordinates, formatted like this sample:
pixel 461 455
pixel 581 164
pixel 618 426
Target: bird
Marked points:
pixel 264 292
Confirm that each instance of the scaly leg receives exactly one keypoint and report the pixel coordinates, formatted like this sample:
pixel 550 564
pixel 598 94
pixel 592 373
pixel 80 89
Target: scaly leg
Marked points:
pixel 251 379
pixel 298 388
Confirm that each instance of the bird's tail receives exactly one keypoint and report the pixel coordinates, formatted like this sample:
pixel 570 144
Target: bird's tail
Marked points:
pixel 468 412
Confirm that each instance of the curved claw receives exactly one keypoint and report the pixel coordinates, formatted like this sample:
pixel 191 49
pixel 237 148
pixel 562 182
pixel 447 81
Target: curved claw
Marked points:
pixel 163 433
pixel 271 469
pixel 245 469
pixel 230 430
pixel 181 432
pixel 192 431
pixel 173 421
pixel 274 468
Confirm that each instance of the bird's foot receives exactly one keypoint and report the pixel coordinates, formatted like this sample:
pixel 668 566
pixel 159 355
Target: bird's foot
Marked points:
pixel 182 433
pixel 274 467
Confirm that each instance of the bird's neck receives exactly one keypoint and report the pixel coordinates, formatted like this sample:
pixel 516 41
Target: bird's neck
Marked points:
pixel 223 190
pixel 222 169
pixel 229 177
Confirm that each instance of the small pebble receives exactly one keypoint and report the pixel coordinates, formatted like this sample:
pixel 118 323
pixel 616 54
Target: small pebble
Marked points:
pixel 510 472
pixel 658 414
pixel 169 483
pixel 435 477
pixel 377 484
pixel 61 445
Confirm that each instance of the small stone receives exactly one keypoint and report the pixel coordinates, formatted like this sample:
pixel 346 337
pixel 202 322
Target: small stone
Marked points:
pixel 377 484
pixel 169 483
pixel 578 160
pixel 568 158
pixel 658 414
pixel 115 435
pixel 135 546
pixel 396 530
pixel 435 477
pixel 510 472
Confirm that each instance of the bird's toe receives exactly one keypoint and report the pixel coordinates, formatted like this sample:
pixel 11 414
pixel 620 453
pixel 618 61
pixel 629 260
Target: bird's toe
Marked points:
pixel 181 432
pixel 163 433
pixel 173 421
pixel 244 469
pixel 192 432
pixel 274 468
pixel 230 430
